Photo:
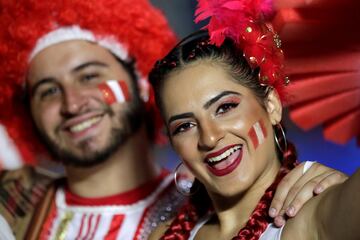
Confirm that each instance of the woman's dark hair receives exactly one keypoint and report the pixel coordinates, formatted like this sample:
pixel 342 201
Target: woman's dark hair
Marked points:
pixel 197 47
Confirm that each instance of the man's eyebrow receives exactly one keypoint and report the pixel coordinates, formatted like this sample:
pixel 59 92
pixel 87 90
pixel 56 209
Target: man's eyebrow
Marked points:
pixel 77 68
pixel 34 88
pixel 88 64
pixel 180 116
pixel 217 97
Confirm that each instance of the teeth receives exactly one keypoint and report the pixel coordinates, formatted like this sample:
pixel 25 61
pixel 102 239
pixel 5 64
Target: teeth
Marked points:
pixel 224 154
pixel 86 124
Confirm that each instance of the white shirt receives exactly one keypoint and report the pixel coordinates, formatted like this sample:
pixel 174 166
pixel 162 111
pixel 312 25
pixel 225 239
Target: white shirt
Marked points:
pixel 76 218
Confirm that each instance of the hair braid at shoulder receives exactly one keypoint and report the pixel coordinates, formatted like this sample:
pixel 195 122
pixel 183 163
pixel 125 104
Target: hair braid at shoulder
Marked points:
pixel 184 222
pixel 260 218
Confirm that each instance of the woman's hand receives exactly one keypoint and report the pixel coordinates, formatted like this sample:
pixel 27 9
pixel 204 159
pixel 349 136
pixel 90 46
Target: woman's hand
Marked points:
pixel 298 186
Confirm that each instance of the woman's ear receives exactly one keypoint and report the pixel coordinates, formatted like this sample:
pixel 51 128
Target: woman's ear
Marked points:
pixel 274 107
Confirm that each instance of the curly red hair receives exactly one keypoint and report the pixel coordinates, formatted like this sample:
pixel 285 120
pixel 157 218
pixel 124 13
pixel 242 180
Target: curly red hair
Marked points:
pixel 140 27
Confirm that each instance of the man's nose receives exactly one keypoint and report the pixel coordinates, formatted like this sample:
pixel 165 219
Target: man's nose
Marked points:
pixel 74 101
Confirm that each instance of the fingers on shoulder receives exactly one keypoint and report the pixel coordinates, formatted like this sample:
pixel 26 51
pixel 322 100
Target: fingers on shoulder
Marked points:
pixel 333 178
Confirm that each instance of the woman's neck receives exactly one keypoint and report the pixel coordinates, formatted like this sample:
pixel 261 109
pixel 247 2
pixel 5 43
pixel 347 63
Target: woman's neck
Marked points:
pixel 233 213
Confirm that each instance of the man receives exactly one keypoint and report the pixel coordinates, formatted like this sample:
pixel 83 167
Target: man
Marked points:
pixel 65 50
pixel 105 149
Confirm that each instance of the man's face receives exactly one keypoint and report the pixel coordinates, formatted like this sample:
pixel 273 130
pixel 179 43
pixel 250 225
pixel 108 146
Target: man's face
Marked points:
pixel 68 109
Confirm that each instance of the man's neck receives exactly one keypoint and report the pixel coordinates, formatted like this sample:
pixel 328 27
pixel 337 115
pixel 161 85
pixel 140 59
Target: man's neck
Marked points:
pixel 127 169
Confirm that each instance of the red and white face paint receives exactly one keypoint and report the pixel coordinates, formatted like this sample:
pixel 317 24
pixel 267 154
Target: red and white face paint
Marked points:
pixel 114 91
pixel 257 133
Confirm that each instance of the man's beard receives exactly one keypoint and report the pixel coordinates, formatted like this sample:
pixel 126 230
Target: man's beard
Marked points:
pixel 131 119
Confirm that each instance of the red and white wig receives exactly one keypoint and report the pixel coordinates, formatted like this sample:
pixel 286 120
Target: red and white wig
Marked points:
pixel 129 29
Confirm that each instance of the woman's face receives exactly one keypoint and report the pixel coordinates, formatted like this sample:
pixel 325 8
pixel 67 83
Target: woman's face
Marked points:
pixel 219 129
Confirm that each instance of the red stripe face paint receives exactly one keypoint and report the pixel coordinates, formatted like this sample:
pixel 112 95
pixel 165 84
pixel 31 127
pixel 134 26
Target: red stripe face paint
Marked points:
pixel 114 91
pixel 257 133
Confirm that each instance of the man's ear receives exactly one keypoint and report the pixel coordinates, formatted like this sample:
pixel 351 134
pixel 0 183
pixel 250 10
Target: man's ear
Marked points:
pixel 273 107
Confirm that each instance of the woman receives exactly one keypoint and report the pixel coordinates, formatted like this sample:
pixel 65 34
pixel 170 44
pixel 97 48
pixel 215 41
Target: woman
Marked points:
pixel 221 102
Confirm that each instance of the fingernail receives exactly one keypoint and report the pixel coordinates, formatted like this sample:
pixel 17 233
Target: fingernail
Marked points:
pixel 272 212
pixel 290 211
pixel 318 189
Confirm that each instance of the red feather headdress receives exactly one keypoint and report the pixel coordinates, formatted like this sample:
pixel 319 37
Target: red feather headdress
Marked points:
pixel 244 21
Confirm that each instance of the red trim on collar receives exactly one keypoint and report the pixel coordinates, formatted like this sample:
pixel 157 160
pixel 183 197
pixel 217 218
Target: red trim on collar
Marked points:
pixel 124 198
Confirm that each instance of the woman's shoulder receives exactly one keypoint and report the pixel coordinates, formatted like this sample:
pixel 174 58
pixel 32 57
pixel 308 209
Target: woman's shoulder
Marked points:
pixel 305 224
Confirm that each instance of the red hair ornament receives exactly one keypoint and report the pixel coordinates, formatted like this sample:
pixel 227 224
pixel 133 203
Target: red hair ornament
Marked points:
pixel 244 21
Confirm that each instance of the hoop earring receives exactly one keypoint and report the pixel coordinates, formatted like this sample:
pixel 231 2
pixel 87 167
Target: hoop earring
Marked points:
pixel 282 147
pixel 184 180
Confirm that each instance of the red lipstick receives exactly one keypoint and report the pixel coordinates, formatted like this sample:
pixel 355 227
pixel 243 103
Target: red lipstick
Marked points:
pixel 226 165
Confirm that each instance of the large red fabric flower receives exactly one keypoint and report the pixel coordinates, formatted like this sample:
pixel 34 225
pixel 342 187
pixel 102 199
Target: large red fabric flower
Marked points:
pixel 322 46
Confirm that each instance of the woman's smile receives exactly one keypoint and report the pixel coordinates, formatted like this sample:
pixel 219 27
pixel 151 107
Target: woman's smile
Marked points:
pixel 224 161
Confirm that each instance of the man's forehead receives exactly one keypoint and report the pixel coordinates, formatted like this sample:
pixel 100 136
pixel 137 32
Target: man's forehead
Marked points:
pixel 72 48
pixel 66 56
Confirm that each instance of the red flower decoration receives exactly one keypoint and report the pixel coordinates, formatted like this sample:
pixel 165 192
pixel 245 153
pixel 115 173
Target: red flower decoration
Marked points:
pixel 244 21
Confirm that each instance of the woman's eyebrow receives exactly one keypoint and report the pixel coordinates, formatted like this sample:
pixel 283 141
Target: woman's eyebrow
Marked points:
pixel 180 116
pixel 217 97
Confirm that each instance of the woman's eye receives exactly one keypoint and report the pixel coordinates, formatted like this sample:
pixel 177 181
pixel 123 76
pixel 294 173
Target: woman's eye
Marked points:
pixel 182 128
pixel 225 107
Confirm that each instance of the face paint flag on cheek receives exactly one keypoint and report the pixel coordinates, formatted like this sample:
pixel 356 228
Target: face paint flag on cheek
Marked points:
pixel 114 91
pixel 257 133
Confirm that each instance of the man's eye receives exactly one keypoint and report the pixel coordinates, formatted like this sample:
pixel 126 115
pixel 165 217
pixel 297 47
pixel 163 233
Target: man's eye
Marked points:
pixel 49 92
pixel 225 107
pixel 182 128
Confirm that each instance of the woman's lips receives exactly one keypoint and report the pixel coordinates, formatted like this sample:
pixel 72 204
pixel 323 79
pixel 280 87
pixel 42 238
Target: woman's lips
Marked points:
pixel 227 164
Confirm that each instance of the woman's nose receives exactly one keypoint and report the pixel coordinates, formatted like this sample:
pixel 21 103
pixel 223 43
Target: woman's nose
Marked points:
pixel 210 134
